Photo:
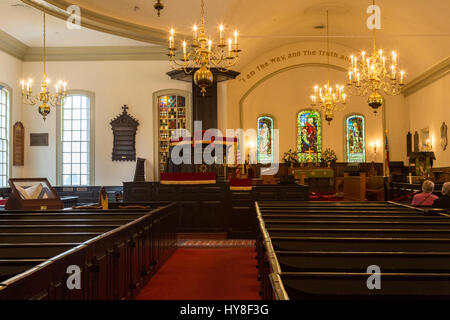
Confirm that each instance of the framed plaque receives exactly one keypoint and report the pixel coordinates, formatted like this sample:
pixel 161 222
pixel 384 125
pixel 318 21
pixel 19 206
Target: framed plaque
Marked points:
pixel 18 144
pixel 38 139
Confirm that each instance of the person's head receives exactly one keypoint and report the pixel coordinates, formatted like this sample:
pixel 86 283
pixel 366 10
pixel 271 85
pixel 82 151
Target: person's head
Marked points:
pixel 446 189
pixel 428 186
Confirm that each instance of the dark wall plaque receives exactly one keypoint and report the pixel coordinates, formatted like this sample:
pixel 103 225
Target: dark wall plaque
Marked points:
pixel 39 139
pixel 124 129
pixel 18 144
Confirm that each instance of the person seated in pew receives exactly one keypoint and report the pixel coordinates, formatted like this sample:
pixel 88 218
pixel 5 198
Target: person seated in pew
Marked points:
pixel 444 201
pixel 425 198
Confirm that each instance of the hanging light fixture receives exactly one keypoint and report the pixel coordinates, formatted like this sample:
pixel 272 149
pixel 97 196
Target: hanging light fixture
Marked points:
pixel 368 76
pixel 158 6
pixel 202 54
pixel 328 98
pixel 46 98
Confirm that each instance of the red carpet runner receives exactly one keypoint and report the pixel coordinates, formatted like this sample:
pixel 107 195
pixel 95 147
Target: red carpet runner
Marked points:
pixel 205 274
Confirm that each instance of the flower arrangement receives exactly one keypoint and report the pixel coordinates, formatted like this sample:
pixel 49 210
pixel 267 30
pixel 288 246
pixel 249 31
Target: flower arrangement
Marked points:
pixel 290 157
pixel 329 156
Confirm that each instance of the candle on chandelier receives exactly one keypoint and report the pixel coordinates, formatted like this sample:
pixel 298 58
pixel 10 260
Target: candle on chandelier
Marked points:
pixel 194 35
pixel 394 58
pixel 209 45
pixel 344 97
pixel 229 47
pixel 393 72
pixel 384 61
pixel 402 73
pixel 363 54
pixel 171 39
pixel 350 77
pixel 357 79
pixel 184 50
pixel 22 83
pixel 221 34
pixel 235 40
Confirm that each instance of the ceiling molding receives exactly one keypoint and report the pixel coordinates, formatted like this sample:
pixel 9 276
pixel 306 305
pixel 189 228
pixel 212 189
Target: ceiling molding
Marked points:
pixel 97 53
pixel 433 74
pixel 102 23
pixel 12 46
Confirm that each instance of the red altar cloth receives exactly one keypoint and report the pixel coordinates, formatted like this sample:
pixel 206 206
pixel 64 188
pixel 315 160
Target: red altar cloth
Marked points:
pixel 188 178
pixel 241 184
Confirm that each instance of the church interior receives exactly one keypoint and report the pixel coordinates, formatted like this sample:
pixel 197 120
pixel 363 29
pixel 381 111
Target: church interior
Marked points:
pixel 224 150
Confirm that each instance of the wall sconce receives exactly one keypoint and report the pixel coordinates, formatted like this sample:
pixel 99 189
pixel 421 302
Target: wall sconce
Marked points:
pixel 251 146
pixel 374 146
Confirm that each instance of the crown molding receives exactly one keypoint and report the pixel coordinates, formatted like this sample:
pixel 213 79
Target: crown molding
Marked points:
pixel 97 53
pixel 102 23
pixel 433 74
pixel 12 46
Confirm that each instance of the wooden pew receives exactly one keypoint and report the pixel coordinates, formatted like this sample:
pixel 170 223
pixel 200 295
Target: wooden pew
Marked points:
pixel 357 224
pixel 352 233
pixel 116 259
pixel 361 244
pixel 313 251
pixel 346 285
pixel 338 261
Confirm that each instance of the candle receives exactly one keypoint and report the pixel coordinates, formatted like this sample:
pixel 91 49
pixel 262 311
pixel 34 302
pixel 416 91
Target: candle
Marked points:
pixel 393 72
pixel 344 97
pixel 363 54
pixel 184 50
pixel 221 34
pixel 22 83
pixel 195 33
pixel 209 45
pixel 349 77
pixel 384 61
pixel 357 78
pixel 401 76
pixel 171 39
pixel 229 45
pixel 235 38
pixel 394 57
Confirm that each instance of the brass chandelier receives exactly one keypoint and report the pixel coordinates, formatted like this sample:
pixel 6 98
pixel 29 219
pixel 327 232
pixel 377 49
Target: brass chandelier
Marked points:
pixel 201 55
pixel 329 99
pixel 46 98
pixel 370 75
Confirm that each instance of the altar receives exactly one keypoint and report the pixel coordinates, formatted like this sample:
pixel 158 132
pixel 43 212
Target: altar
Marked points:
pixel 318 179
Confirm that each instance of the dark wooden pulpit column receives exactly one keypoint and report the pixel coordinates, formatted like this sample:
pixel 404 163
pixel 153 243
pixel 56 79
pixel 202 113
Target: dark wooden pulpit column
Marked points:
pixel 204 108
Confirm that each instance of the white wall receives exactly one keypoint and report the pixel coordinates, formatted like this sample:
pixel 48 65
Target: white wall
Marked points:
pixel 428 107
pixel 10 74
pixel 114 83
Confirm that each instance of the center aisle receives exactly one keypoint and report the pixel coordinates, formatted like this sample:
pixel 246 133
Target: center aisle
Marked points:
pixel 205 274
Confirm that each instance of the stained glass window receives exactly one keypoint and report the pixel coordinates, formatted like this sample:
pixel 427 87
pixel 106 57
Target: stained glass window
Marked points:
pixel 265 139
pixel 356 144
pixel 309 136
pixel 172 117
pixel 4 136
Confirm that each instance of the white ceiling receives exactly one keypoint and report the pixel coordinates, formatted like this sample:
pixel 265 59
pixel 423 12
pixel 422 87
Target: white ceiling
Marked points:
pixel 419 30
pixel 26 25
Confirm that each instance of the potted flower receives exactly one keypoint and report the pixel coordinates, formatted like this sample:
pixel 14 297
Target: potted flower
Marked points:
pixel 329 157
pixel 290 157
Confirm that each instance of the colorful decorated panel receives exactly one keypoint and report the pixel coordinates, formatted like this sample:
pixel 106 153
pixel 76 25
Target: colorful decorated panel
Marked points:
pixel 172 116
pixel 309 136
pixel 265 139
pixel 355 139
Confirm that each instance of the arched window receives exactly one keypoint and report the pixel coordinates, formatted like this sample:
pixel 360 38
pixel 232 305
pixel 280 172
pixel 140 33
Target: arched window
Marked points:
pixel 265 139
pixel 76 140
pixel 309 136
pixel 355 138
pixel 4 135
